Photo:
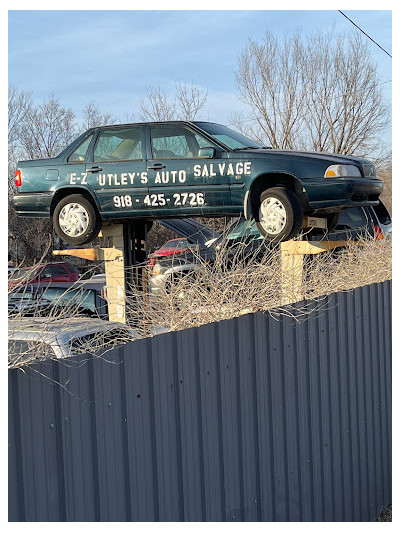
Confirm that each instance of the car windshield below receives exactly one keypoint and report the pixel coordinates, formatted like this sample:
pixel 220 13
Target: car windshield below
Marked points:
pixel 84 299
pixel 230 138
pixel 176 244
pixel 243 231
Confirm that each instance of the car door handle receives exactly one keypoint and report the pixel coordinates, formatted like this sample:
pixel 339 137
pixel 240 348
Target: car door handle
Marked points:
pixel 94 169
pixel 156 166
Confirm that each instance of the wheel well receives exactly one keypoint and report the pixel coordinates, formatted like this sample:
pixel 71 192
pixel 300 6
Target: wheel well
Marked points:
pixel 267 181
pixel 62 193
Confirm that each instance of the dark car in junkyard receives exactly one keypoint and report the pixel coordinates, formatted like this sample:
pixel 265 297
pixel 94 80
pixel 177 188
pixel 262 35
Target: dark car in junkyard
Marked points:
pixel 180 169
pixel 82 298
pixel 243 239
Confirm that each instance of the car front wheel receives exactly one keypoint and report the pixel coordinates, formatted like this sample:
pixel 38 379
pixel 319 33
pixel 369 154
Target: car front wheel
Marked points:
pixel 280 214
pixel 76 220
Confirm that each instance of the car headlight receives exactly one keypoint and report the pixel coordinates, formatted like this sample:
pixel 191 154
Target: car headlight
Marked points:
pixel 342 171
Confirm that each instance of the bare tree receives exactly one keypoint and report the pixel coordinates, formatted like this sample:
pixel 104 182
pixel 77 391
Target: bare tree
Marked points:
pixel 46 129
pixel 190 100
pixel 37 131
pixel 93 117
pixel 320 93
pixel 156 106
pixel 186 105
pixel 18 104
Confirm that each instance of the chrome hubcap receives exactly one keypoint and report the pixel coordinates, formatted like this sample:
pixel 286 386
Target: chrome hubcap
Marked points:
pixel 272 215
pixel 73 219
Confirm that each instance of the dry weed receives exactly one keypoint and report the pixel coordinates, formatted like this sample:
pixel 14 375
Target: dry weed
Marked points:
pixel 245 279
pixel 248 282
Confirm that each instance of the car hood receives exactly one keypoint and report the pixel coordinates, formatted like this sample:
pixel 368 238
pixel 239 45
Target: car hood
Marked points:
pixel 316 156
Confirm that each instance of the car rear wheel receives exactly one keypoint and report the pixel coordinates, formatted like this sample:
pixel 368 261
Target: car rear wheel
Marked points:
pixel 280 214
pixel 75 220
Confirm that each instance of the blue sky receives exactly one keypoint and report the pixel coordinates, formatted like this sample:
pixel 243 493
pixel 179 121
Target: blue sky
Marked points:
pixel 109 57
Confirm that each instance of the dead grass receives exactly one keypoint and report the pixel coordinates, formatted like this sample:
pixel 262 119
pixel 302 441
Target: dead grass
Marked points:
pixel 248 283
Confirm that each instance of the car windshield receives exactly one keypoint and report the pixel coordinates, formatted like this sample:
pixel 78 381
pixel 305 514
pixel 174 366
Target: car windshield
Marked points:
pixel 24 273
pixel 84 299
pixel 244 230
pixel 176 244
pixel 230 138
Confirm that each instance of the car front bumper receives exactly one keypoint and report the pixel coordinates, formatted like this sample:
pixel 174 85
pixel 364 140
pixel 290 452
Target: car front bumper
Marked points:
pixel 332 193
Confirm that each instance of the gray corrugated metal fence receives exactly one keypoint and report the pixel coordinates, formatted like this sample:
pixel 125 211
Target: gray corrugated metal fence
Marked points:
pixel 250 419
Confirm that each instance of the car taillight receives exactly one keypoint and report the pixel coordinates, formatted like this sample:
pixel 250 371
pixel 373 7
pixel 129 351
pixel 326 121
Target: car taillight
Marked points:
pixel 18 178
pixel 378 233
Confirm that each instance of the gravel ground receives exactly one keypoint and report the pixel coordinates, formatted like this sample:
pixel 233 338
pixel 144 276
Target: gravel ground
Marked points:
pixel 386 515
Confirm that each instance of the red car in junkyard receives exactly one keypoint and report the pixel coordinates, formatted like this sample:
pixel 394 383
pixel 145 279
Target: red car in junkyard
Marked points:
pixel 174 246
pixel 44 273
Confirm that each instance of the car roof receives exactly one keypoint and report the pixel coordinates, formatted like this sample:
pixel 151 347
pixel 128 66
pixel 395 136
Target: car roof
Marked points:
pixel 79 284
pixel 40 324
pixel 152 123
pixel 40 265
pixel 61 330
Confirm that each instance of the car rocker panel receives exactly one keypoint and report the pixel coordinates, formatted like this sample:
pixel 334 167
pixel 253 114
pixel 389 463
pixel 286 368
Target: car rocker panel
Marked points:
pixel 181 169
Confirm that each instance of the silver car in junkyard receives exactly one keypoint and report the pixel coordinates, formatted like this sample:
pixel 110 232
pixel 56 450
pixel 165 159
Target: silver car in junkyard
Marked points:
pixel 38 338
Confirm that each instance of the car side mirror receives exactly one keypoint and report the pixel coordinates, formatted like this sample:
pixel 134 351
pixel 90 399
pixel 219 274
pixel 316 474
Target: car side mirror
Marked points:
pixel 207 151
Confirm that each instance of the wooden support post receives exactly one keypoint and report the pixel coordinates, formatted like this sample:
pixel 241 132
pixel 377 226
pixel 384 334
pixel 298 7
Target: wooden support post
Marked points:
pixel 127 252
pixel 291 273
pixel 115 272
pixel 292 257
pixel 114 268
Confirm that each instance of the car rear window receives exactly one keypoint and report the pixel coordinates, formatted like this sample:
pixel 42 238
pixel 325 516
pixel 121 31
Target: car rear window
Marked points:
pixel 24 273
pixel 20 351
pixel 99 340
pixel 177 244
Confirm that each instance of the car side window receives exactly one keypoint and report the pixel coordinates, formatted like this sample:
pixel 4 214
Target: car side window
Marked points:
pixel 58 271
pixel 79 154
pixel 45 273
pixel 176 142
pixel 122 144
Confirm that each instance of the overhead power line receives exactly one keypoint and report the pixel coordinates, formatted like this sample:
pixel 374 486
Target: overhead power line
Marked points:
pixel 366 34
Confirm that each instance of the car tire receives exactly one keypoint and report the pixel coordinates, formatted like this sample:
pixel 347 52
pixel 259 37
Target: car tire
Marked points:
pixel 76 220
pixel 280 215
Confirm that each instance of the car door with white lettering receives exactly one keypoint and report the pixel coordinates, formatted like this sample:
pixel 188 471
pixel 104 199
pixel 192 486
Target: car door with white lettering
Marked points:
pixel 181 180
pixel 119 172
